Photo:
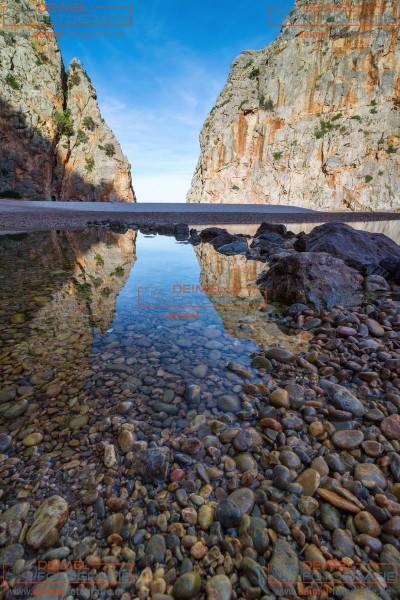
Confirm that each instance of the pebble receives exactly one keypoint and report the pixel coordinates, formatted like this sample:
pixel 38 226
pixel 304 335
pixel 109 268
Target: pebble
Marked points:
pixel 48 519
pixel 279 398
pixel 33 439
pixel 370 475
pixel 187 585
pixel 309 480
pixel 366 523
pixel 348 439
pixel 219 587
pixel 390 427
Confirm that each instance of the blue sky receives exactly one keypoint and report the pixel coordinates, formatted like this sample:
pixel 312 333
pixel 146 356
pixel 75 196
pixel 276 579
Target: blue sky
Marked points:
pixel 157 80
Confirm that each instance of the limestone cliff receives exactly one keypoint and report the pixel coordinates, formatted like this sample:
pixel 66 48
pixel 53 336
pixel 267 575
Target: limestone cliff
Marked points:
pixel 313 119
pixel 54 143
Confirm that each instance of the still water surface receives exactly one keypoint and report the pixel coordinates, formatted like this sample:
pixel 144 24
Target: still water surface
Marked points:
pixel 97 326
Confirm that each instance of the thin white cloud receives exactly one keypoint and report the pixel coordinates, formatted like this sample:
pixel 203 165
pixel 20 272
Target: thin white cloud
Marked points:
pixel 161 141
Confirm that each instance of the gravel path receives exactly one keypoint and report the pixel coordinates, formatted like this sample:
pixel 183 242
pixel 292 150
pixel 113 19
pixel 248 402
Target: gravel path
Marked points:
pixel 20 215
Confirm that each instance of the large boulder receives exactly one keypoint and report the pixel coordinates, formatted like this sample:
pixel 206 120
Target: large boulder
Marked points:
pixel 314 278
pixel 361 250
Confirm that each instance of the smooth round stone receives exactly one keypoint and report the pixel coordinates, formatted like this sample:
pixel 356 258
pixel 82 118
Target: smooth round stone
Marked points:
pixel 113 524
pixel 392 527
pixel 78 422
pixel 348 439
pixel 16 409
pixel 245 462
pixel 366 523
pixel 49 517
pixel 126 440
pixel 254 573
pixel 200 371
pixel 281 477
pixel 243 498
pixel 366 541
pixel 156 548
pixel 307 505
pixel 344 331
pixel 375 328
pixel 390 427
pixel 372 448
pixel 279 398
pixel 314 554
pixel 228 514
pixel 330 516
pixel 370 475
pixel 205 516
pixel 229 403
pixel 284 565
pixel 187 585
pixel 343 543
pixel 280 354
pixel 219 587
pixel 260 362
pixel 309 481
pixel 33 439
pixel 5 442
pixel 54 390
pixel 289 459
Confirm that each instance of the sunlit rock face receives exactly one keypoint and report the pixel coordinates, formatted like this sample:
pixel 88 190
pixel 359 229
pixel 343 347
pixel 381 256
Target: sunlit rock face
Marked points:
pixel 230 283
pixel 54 143
pixel 313 119
pixel 64 287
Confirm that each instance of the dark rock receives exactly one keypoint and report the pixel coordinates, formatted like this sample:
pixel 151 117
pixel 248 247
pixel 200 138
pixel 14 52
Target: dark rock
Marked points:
pixel 275 228
pixel 152 464
pixel 235 247
pixel 361 250
pixel 391 266
pixel 181 231
pixel 312 278
pixel 209 233
pixel 228 514
pixel 342 398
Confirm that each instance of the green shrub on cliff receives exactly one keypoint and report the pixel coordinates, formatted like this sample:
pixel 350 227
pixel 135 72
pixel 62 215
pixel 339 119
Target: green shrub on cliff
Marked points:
pixel 12 82
pixel 64 122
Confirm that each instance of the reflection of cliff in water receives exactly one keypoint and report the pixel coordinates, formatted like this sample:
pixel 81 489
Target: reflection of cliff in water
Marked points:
pixel 230 283
pixel 56 288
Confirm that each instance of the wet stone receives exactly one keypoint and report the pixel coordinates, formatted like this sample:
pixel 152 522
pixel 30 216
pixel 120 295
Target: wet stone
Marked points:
pixel 309 481
pixel 348 439
pixel 5 442
pixel 219 587
pixel 370 475
pixel 390 427
pixel 33 439
pixel 229 403
pixel 156 548
pixel 284 565
pixel 48 519
pixel 187 585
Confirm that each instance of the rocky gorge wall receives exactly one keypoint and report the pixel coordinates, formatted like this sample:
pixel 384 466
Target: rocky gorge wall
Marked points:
pixel 54 143
pixel 312 119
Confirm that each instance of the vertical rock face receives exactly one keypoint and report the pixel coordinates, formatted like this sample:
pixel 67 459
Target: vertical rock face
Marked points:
pixel 313 119
pixel 54 143
pixel 90 158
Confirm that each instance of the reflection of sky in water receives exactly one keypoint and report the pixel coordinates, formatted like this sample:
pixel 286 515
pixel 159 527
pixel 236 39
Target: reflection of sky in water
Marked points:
pixel 166 274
